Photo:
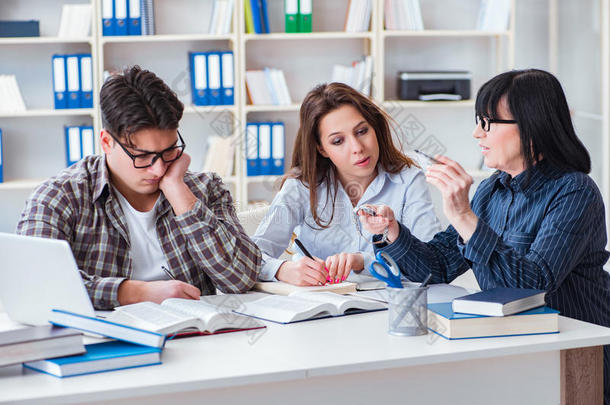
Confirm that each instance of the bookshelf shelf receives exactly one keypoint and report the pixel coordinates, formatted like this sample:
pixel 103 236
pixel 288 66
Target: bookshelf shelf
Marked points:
pixel 44 40
pixel 167 38
pixel 445 33
pixel 24 184
pixel 50 113
pixel 309 36
pixel 193 109
pixel 264 108
pixel 427 104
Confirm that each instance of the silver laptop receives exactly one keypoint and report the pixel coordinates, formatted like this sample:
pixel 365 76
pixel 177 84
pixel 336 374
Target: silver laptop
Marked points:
pixel 37 275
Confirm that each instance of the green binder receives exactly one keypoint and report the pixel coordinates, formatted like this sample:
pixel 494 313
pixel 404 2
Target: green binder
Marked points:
pixel 305 15
pixel 291 11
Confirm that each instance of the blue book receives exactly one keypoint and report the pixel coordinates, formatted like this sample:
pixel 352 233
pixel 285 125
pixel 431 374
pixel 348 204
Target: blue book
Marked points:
pixel 199 78
pixel 108 22
pixel 499 301
pixel 264 148
pixel 59 82
pixel 257 18
pixel 106 356
pixel 443 321
pixel 120 17
pixel 108 328
pixel 264 16
pixel 134 18
pixel 214 78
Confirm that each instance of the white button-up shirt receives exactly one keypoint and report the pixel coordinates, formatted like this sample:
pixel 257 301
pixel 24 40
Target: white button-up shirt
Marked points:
pixel 405 192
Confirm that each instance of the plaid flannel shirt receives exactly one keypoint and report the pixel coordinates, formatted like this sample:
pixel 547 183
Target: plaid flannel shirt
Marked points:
pixel 205 247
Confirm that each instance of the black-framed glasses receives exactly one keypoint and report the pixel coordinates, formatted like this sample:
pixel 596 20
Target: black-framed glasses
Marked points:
pixel 486 122
pixel 147 159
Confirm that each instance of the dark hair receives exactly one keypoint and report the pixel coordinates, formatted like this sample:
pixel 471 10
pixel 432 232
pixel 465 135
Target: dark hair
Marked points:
pixel 310 167
pixel 138 99
pixel 538 104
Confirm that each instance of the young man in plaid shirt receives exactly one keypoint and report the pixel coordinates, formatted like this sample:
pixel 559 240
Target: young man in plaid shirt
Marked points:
pixel 142 227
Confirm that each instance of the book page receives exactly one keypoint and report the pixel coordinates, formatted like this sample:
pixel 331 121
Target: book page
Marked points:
pixel 151 316
pixel 213 317
pixel 341 302
pixel 287 309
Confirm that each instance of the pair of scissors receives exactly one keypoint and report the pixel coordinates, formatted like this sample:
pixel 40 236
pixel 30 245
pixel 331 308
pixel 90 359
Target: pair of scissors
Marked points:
pixel 384 268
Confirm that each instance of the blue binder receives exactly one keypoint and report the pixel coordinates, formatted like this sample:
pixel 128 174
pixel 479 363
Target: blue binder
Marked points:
pixel 86 81
pixel 73 145
pixel 1 159
pixel 59 82
pixel 108 18
pixel 228 78
pixel 214 78
pixel 73 81
pixel 87 140
pixel 134 18
pixel 120 17
pixel 278 148
pixel 199 78
pixel 264 148
pixel 252 149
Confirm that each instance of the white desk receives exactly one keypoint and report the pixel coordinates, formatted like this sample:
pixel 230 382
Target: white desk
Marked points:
pixel 348 360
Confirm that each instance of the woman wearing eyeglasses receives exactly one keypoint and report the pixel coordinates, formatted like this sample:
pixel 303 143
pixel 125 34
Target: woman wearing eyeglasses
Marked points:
pixel 343 158
pixel 537 222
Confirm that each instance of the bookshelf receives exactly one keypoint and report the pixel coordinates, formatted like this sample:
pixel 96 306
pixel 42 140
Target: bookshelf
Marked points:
pixel 448 43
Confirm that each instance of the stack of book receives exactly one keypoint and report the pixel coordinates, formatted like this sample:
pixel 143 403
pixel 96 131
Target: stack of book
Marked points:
pixel 75 21
pixel 297 15
pixel 212 78
pixel 359 75
pixel 265 148
pixel 403 15
pixel 358 16
pixel 493 313
pixel 257 18
pixel 10 95
pixel 127 17
pixel 221 17
pixel 267 87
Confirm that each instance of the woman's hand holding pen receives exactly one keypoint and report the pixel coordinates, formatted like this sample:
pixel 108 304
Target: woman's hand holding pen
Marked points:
pixel 454 184
pixel 305 271
pixel 382 219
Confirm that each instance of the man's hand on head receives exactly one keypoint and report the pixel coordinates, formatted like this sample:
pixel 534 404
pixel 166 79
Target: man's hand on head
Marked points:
pixel 175 189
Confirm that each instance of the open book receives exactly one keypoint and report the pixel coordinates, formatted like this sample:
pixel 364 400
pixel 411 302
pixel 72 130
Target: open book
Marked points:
pixel 299 306
pixel 282 288
pixel 181 316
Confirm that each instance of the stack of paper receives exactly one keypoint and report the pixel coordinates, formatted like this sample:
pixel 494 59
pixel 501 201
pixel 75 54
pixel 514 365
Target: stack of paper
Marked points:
pixel 219 156
pixel 267 87
pixel 75 21
pixel 358 76
pixel 403 15
pixel 358 16
pixel 221 17
pixel 10 96
pixel 493 15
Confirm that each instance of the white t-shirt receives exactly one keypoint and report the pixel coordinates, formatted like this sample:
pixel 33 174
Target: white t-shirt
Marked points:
pixel 147 257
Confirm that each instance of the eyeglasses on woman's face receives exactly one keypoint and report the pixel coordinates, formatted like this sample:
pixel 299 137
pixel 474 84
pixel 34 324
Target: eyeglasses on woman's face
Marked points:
pixel 485 122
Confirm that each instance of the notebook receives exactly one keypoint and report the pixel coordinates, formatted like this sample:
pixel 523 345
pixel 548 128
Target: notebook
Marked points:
pixel 500 301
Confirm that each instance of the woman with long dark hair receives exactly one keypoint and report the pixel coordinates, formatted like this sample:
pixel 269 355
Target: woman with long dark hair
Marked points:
pixel 343 157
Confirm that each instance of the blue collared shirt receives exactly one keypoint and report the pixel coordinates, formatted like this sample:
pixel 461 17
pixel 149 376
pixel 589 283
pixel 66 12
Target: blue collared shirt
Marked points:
pixel 547 233
pixel 405 192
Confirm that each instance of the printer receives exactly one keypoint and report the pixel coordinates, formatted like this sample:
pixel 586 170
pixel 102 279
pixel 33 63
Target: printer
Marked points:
pixel 434 85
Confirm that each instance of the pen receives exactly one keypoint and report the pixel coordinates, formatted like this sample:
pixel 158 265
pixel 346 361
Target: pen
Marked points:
pixel 429 157
pixel 306 253
pixel 166 271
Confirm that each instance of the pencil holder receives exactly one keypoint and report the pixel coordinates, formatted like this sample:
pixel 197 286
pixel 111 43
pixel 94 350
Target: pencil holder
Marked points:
pixel 408 312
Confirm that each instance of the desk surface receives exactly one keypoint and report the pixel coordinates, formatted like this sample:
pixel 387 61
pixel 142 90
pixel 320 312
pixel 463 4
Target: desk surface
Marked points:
pixel 323 347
